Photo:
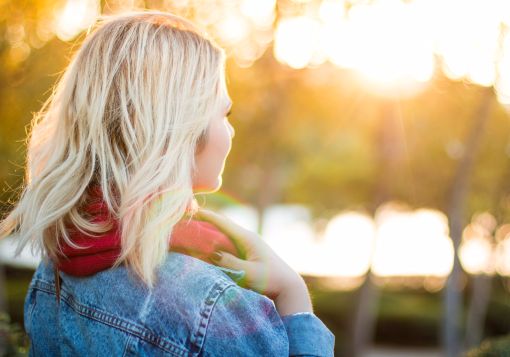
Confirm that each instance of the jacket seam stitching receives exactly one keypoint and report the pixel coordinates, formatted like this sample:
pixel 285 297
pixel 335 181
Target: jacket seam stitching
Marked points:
pixel 30 310
pixel 126 346
pixel 111 320
pixel 206 311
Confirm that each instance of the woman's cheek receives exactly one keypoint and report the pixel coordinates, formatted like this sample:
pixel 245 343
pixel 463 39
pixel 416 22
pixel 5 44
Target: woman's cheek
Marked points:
pixel 227 135
pixel 222 142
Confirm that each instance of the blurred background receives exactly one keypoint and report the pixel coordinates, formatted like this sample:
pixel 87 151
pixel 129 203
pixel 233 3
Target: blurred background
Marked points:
pixel 371 152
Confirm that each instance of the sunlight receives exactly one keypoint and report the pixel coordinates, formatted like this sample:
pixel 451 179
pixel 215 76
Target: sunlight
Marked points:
pixel 244 28
pixel 469 48
pixel 394 48
pixel 407 243
pixel 296 41
pixel 233 28
pixel 288 231
pixel 343 251
pixel 502 84
pixel 76 16
pixel 476 251
pixel 245 216
pixel 332 10
pixel 260 12
pixel 338 44
pixel 387 41
pixel 502 250
pixel 503 10
pixel 347 245
pixel 412 244
pixel 503 257
pixel 394 45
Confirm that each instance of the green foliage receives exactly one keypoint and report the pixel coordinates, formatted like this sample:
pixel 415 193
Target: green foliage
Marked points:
pixel 499 307
pixel 13 341
pixel 495 347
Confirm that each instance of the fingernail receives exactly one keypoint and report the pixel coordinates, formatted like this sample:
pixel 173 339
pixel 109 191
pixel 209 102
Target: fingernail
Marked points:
pixel 216 256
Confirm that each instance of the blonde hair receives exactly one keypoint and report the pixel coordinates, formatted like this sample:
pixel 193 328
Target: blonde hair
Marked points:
pixel 126 116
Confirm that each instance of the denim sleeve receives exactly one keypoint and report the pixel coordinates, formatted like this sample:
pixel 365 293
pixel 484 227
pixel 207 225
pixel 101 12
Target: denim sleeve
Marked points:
pixel 308 336
pixel 246 323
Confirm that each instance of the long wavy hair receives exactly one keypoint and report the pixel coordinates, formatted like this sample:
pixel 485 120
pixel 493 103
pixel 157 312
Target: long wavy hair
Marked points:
pixel 127 117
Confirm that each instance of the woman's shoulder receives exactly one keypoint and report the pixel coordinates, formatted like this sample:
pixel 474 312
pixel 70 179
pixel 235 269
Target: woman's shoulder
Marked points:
pixel 176 315
pixel 183 283
pixel 195 309
pixel 192 272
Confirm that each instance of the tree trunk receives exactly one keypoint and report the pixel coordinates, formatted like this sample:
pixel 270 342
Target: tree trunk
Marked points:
pixel 480 297
pixel 456 220
pixel 390 153
pixel 365 317
pixel 271 190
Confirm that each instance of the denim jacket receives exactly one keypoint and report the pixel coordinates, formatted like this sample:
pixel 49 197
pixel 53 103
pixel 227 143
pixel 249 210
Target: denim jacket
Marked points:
pixel 195 309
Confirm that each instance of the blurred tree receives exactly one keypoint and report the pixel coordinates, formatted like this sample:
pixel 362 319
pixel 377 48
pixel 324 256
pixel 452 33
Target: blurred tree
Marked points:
pixel 457 221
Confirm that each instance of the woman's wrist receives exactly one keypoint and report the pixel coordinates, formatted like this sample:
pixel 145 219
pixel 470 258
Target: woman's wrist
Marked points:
pixel 294 298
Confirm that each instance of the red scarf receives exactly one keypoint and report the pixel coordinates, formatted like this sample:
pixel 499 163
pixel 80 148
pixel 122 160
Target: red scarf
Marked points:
pixel 195 238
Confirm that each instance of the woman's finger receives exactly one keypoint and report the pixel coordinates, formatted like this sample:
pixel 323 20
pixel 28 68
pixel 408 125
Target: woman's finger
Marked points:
pixel 228 260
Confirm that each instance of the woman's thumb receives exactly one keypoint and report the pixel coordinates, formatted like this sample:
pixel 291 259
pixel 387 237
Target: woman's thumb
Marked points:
pixel 227 260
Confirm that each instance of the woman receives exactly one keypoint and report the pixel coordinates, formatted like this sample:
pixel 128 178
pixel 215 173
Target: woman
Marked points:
pixel 140 117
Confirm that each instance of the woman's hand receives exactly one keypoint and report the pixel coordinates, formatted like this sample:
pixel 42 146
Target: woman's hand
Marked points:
pixel 266 272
